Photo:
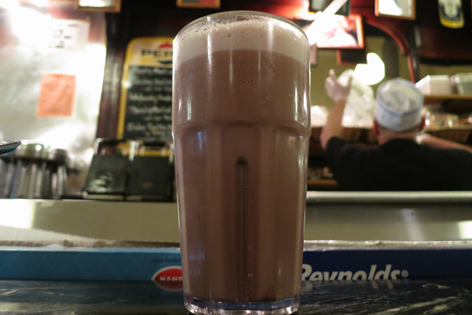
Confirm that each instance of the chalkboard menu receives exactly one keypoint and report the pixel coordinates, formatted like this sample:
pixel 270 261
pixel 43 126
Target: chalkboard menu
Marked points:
pixel 146 99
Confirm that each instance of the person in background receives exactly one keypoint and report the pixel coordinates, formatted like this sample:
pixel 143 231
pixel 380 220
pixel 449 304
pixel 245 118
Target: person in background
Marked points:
pixel 403 159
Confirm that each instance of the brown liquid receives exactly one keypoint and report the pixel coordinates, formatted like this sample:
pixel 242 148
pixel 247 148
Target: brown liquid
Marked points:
pixel 241 140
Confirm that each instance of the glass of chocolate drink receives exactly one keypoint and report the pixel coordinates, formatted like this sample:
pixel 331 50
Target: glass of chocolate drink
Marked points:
pixel 241 128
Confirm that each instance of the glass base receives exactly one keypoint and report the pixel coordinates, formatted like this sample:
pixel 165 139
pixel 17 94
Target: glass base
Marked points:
pixel 282 307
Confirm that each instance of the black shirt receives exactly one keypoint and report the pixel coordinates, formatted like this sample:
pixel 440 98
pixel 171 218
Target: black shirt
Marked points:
pixel 398 164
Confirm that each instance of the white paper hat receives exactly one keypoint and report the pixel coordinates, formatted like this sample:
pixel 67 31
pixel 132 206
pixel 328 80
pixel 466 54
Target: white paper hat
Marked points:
pixel 399 104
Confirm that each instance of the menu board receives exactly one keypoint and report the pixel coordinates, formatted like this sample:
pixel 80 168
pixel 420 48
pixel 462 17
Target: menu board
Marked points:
pixel 146 98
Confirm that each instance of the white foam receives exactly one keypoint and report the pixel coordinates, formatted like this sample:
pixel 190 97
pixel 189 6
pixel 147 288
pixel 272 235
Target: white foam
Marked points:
pixel 260 33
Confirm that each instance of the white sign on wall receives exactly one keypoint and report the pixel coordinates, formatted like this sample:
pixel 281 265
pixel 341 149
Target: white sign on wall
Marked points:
pixel 68 35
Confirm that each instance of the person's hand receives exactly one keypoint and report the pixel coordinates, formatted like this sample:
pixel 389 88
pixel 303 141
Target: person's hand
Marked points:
pixel 336 91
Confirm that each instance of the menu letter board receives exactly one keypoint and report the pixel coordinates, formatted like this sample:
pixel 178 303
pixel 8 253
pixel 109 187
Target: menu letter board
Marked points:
pixel 146 98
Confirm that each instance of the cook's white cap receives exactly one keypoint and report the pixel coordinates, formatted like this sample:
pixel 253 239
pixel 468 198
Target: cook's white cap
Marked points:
pixel 399 104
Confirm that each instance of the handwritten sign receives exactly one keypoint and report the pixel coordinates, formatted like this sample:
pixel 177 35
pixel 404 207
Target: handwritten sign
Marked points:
pixel 146 100
pixel 57 95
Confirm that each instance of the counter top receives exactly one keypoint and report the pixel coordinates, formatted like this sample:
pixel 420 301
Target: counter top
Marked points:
pixel 445 296
pixel 390 197
pixel 355 216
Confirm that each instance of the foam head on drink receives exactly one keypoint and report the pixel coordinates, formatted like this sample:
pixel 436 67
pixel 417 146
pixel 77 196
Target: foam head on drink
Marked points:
pixel 241 129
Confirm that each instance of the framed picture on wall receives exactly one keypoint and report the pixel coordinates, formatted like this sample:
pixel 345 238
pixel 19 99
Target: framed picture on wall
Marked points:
pixel 215 4
pixel 341 32
pixel 321 5
pixel 401 9
pixel 98 5
pixel 351 57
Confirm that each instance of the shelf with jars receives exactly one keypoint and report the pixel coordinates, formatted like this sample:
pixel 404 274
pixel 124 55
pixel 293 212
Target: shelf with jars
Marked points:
pixel 431 99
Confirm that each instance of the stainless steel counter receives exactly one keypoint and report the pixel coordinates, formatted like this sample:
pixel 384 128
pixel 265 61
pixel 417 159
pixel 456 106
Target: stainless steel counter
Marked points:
pixel 413 197
pixel 398 216
pixel 98 219
pixel 352 216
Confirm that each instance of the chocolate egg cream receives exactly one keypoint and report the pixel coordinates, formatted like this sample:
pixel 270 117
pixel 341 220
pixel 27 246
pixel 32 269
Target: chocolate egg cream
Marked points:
pixel 241 129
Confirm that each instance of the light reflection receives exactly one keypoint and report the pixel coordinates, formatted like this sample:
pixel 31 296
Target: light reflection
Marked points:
pixel 315 30
pixel 394 7
pixel 208 70
pixel 302 159
pixel 209 49
pixel 88 155
pixel 390 7
pixel 91 69
pixel 63 136
pixel 96 3
pixel 303 13
pixel 9 4
pixel 465 229
pixel 371 73
pixel 31 27
pixel 201 137
pixel 94 56
pixel 270 37
pixel 412 226
pixel 189 107
pixel 21 216
pixel 259 57
pixel 39 3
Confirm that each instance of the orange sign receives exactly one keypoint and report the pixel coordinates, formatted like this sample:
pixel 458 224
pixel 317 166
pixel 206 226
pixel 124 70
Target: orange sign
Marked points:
pixel 57 95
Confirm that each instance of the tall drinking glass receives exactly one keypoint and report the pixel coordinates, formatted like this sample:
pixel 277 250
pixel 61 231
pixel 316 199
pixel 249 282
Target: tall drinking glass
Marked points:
pixel 241 128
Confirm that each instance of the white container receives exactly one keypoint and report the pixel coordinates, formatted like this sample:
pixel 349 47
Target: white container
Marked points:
pixel 463 83
pixel 435 85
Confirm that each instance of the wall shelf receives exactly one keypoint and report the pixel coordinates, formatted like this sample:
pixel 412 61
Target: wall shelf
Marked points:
pixel 431 99
pixel 322 184
pixel 452 103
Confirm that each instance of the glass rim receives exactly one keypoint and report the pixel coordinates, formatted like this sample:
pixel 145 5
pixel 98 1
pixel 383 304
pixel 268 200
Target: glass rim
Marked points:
pixel 228 14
